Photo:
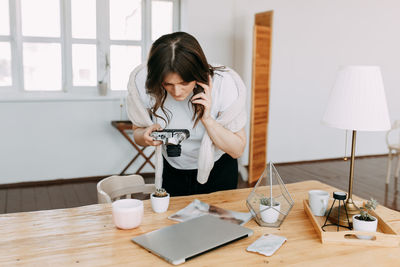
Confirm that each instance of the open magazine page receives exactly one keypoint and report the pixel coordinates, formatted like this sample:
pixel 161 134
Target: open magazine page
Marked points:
pixel 198 208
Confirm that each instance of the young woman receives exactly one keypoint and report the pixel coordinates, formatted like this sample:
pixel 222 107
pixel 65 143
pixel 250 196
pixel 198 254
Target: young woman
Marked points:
pixel 180 90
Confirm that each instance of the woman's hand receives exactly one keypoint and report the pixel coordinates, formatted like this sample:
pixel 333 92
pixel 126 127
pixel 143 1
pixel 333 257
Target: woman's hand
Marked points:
pixel 229 142
pixel 146 135
pixel 148 140
pixel 204 99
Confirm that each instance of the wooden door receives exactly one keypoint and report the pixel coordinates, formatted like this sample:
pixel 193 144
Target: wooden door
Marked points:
pixel 260 95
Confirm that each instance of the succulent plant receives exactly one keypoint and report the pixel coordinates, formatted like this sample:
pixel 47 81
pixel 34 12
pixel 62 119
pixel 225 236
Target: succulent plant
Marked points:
pixel 370 205
pixel 266 201
pixel 160 192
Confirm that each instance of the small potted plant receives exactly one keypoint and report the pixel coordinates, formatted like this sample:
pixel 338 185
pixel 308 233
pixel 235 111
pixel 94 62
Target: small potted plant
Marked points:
pixel 364 221
pixel 102 85
pixel 159 200
pixel 269 211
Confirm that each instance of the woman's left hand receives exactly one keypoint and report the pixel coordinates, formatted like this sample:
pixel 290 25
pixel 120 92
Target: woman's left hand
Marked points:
pixel 204 99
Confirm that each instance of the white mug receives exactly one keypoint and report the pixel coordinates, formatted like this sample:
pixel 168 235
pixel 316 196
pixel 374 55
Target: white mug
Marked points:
pixel 318 201
pixel 127 213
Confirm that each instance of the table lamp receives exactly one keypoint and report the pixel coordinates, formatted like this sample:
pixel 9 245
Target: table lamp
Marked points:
pixel 358 103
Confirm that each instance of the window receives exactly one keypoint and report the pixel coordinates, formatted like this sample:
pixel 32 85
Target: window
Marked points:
pixel 71 45
pixel 5 48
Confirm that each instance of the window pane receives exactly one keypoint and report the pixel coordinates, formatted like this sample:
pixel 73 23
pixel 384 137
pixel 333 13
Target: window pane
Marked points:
pixel 123 60
pixel 84 65
pixel 42 66
pixel 161 18
pixel 125 19
pixel 83 18
pixel 5 64
pixel 40 18
pixel 4 18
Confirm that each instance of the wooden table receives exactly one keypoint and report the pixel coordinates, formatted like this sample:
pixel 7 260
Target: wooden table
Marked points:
pixel 86 236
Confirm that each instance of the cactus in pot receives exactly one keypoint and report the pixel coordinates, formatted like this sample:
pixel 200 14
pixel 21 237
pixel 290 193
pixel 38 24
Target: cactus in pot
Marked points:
pixel 266 201
pixel 159 200
pixel 365 221
pixel 269 209
pixel 160 192
pixel 370 205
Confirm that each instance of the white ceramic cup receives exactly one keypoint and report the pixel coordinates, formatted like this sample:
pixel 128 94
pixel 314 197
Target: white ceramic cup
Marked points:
pixel 318 201
pixel 127 213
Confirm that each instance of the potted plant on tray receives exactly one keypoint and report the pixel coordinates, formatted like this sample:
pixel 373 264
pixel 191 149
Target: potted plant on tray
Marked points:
pixel 365 221
pixel 269 209
pixel 159 200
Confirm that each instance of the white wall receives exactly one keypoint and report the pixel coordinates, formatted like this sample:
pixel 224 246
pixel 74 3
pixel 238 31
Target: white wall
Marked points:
pixel 211 22
pixel 44 140
pixel 311 39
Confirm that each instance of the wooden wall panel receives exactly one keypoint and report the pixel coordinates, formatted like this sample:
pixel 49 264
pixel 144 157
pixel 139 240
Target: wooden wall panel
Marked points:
pixel 260 95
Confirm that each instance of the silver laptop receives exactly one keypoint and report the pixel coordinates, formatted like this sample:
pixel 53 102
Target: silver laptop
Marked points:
pixel 180 242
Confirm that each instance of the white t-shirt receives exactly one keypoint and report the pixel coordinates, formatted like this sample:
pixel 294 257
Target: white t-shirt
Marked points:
pixel 223 92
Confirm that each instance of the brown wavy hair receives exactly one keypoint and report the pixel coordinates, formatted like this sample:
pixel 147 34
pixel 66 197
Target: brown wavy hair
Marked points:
pixel 180 53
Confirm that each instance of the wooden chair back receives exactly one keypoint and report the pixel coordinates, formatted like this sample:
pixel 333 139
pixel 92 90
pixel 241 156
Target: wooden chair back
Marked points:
pixel 116 187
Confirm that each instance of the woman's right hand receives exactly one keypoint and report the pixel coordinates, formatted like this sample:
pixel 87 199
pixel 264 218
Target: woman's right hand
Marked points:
pixel 146 135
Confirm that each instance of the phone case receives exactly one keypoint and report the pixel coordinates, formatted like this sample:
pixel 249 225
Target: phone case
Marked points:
pixel 267 244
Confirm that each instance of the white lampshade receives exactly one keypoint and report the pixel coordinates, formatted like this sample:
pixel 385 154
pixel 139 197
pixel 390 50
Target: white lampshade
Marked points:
pixel 358 101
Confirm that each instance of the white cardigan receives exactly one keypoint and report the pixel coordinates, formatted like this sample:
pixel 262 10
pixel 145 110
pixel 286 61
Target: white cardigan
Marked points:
pixel 233 118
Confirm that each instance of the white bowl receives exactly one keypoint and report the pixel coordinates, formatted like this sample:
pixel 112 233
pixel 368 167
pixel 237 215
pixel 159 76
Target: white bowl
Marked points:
pixel 127 213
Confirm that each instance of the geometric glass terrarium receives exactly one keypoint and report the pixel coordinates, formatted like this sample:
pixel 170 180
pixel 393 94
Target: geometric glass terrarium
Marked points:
pixel 269 202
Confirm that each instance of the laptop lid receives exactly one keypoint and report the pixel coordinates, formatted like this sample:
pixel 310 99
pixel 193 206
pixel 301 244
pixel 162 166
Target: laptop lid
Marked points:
pixel 180 242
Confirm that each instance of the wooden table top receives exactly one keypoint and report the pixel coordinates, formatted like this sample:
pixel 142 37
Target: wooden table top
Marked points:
pixel 87 236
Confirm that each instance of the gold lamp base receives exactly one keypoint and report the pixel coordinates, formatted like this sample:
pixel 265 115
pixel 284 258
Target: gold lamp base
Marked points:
pixel 352 209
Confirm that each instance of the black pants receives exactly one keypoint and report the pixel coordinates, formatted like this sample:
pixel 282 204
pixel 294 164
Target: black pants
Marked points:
pixel 223 176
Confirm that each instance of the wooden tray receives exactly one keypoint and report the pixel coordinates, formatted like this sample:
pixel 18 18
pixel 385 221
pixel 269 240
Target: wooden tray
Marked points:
pixel 385 236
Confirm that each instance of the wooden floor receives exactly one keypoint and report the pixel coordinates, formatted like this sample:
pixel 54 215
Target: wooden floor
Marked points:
pixel 370 174
pixel 369 178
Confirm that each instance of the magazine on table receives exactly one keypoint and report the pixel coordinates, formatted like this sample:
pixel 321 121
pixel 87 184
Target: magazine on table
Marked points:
pixel 198 208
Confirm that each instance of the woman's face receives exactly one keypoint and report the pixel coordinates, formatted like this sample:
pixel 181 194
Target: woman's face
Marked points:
pixel 176 87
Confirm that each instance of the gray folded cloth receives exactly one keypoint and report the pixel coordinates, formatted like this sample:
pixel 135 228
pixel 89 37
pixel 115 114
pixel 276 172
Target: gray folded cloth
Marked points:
pixel 267 244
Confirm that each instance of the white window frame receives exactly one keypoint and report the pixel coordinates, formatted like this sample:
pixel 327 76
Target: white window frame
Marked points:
pixel 103 42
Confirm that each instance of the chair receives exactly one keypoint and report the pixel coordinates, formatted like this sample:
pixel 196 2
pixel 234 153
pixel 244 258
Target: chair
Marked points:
pixel 393 143
pixel 114 187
